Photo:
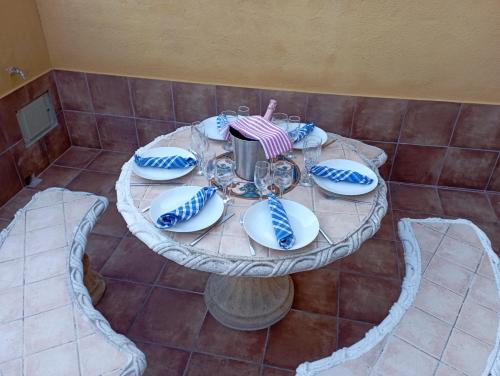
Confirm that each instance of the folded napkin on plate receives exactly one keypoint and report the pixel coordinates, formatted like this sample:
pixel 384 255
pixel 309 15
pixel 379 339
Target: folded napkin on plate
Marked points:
pixel 173 161
pixel 273 139
pixel 281 225
pixel 222 124
pixel 301 132
pixel 188 210
pixel 337 175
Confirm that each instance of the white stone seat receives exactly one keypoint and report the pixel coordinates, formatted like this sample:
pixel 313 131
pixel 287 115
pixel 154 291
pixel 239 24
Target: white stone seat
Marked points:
pixel 48 325
pixel 446 320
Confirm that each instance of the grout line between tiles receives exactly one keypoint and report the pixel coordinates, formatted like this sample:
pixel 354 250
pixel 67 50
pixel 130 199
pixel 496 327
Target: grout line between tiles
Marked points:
pixel 393 162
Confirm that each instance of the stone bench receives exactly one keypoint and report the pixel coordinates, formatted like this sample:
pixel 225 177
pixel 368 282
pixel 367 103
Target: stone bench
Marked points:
pixel 446 320
pixel 48 325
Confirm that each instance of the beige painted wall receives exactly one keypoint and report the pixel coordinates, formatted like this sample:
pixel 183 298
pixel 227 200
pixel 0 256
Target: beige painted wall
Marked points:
pixel 22 42
pixel 447 49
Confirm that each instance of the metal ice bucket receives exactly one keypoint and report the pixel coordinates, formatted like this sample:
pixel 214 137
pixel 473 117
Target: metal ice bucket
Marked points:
pixel 247 152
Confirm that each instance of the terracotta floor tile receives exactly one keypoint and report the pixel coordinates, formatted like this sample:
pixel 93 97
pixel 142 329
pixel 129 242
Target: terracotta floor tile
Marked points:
pixel 375 256
pixel 163 361
pixel 492 231
pixel 57 176
pixel 77 157
pixel 215 338
pixel 316 291
pixel 301 336
pixel 469 205
pixel 95 182
pixel 178 276
pixel 121 302
pixel 204 365
pixel 270 371
pixel 133 260
pixel 366 298
pixel 411 198
pixel 3 223
pixel 111 223
pixel 386 230
pixel 109 161
pixel 170 318
pixel 351 332
pixel 495 203
pixel 99 248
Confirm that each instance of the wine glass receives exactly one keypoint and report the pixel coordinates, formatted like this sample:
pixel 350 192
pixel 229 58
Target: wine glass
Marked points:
pixel 243 111
pixel 229 116
pixel 280 119
pixel 262 176
pixel 224 175
pixel 283 175
pixel 199 144
pixel 210 162
pixel 312 151
pixel 293 127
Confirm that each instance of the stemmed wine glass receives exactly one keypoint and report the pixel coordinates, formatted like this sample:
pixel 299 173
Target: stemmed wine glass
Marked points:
pixel 293 127
pixel 262 176
pixel 283 175
pixel 224 175
pixel 281 120
pixel 199 144
pixel 312 151
pixel 210 162
pixel 230 116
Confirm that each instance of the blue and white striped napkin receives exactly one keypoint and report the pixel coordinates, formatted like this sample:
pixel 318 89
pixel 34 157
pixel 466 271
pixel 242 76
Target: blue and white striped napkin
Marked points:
pixel 188 210
pixel 222 123
pixel 281 225
pixel 171 162
pixel 302 131
pixel 337 175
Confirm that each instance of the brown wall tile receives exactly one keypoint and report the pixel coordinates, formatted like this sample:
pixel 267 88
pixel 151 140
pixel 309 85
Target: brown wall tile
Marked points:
pixel 9 105
pixel 30 160
pixel 289 102
pixel 117 133
pixel 82 128
pixel 43 84
pixel 57 140
pixel 148 130
pixel 110 94
pixel 495 178
pixel 390 150
pixel 429 123
pixel 478 127
pixel 11 184
pixel 378 119
pixel 73 91
pixel 193 102
pixel 333 113
pixel 230 98
pixel 152 99
pixel 467 168
pixel 418 164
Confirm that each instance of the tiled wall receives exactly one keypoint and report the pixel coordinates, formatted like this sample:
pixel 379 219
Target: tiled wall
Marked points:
pixel 433 143
pixel 18 162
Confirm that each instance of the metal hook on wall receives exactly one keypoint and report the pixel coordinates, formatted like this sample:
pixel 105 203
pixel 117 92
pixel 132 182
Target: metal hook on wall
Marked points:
pixel 16 71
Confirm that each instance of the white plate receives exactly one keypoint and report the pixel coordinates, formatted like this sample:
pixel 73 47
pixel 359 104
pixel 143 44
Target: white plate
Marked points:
pixel 318 132
pixel 176 197
pixel 155 173
pixel 343 188
pixel 211 130
pixel 258 224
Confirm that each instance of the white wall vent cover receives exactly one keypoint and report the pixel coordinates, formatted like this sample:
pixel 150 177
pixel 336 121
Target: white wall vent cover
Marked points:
pixel 37 118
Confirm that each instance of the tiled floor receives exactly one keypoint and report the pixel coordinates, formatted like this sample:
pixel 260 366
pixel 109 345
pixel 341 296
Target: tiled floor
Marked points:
pixel 160 305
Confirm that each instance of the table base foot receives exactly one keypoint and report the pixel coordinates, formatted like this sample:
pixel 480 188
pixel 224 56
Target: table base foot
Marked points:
pixel 246 303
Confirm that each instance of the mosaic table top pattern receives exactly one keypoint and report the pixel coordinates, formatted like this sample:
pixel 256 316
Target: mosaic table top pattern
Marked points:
pixel 451 324
pixel 341 218
pixel 48 325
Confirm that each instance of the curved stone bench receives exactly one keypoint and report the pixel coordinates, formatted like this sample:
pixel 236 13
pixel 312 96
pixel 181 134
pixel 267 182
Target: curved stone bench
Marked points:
pixel 446 320
pixel 48 325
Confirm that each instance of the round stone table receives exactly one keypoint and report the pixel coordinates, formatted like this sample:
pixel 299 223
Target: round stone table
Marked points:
pixel 253 292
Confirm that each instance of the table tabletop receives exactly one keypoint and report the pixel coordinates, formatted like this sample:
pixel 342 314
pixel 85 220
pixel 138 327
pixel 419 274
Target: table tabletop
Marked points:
pixel 348 221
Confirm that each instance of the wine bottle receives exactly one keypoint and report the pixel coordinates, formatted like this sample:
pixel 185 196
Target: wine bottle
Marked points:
pixel 270 109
